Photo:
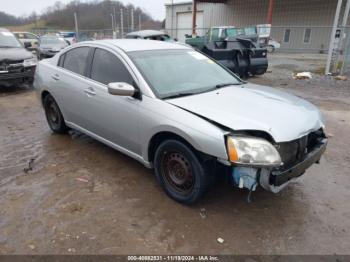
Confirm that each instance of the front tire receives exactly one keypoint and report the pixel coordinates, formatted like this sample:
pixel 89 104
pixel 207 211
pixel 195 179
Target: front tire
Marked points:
pixel 54 116
pixel 180 172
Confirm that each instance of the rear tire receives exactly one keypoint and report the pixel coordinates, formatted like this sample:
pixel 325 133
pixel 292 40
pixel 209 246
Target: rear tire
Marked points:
pixel 54 116
pixel 182 175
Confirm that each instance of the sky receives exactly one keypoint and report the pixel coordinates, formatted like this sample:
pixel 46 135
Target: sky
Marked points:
pixel 24 7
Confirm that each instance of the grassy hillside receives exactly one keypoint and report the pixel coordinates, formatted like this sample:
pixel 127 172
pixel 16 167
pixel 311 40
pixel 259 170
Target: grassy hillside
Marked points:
pixel 91 15
pixel 27 27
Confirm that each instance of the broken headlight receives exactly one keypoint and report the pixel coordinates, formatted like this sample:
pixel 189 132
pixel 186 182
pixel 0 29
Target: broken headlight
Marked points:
pixel 252 151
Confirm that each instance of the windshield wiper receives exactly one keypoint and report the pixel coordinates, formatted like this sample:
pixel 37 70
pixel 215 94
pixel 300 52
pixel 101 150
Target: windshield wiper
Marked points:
pixel 205 91
pixel 179 95
pixel 7 46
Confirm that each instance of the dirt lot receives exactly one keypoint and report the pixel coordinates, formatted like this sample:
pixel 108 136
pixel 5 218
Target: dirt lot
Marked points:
pixel 84 198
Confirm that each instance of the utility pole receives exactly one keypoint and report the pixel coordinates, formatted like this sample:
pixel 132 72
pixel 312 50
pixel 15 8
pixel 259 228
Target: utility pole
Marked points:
pixel 332 45
pixel 346 14
pixel 122 22
pixel 76 26
pixel 113 29
pixel 112 19
pixel 172 18
pixel 345 35
pixel 115 19
pixel 194 17
pixel 132 19
pixel 127 18
pixel 270 12
pixel 140 21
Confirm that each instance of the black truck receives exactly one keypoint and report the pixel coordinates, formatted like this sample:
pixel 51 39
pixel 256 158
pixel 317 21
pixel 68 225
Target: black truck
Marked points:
pixel 17 65
pixel 234 49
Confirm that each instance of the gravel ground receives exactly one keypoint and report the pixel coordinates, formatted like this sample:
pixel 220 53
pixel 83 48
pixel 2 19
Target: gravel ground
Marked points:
pixel 82 197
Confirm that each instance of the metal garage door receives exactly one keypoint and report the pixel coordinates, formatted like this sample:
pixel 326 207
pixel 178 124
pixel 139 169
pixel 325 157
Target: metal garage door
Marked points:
pixel 184 25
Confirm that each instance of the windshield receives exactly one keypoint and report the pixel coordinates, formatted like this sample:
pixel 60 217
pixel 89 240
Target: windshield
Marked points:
pixel 7 39
pixel 52 41
pixel 174 72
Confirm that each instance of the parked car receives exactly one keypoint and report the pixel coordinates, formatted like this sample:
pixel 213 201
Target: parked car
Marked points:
pixel 181 113
pixel 150 35
pixel 70 37
pixel 31 38
pixel 50 45
pixel 17 65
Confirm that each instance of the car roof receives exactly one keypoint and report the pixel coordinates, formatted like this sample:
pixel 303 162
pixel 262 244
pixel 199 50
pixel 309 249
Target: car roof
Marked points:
pixel 130 45
pixel 49 36
pixel 146 33
pixel 4 30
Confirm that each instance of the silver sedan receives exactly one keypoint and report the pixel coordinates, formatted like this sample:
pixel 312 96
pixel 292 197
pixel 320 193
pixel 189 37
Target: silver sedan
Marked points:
pixel 181 113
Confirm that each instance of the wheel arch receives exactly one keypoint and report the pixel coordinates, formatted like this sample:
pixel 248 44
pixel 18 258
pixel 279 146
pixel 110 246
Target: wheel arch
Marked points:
pixel 44 94
pixel 158 138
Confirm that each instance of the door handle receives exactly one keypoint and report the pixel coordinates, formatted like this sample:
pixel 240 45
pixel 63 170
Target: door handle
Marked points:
pixel 55 77
pixel 90 91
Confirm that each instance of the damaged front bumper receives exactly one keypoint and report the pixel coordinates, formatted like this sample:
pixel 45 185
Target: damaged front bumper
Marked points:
pixel 274 180
pixel 18 75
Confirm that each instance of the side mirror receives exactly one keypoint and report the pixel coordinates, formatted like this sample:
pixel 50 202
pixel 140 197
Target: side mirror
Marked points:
pixel 121 89
pixel 27 44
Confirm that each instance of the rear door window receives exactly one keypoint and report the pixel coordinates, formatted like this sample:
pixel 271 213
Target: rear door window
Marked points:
pixel 107 68
pixel 76 60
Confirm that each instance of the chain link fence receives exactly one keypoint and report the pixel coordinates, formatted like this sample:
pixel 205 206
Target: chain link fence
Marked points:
pixel 290 39
pixel 280 39
pixel 89 34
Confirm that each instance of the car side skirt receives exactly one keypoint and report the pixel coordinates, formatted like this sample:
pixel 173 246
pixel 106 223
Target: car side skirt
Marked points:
pixel 111 144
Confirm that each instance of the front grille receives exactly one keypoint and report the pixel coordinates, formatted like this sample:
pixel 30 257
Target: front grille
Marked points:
pixel 295 151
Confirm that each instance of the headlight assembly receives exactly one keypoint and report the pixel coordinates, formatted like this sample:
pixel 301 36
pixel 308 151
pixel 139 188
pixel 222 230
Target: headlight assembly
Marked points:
pixel 30 62
pixel 252 151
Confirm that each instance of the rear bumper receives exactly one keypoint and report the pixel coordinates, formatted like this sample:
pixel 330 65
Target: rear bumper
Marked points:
pixel 278 178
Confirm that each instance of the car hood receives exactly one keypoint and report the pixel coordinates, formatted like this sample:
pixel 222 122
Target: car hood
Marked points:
pixel 252 107
pixel 14 54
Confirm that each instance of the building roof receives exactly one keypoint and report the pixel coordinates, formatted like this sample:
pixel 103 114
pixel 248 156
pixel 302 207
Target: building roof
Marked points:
pixel 198 1
pixel 146 33
pixel 179 3
pixel 130 45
